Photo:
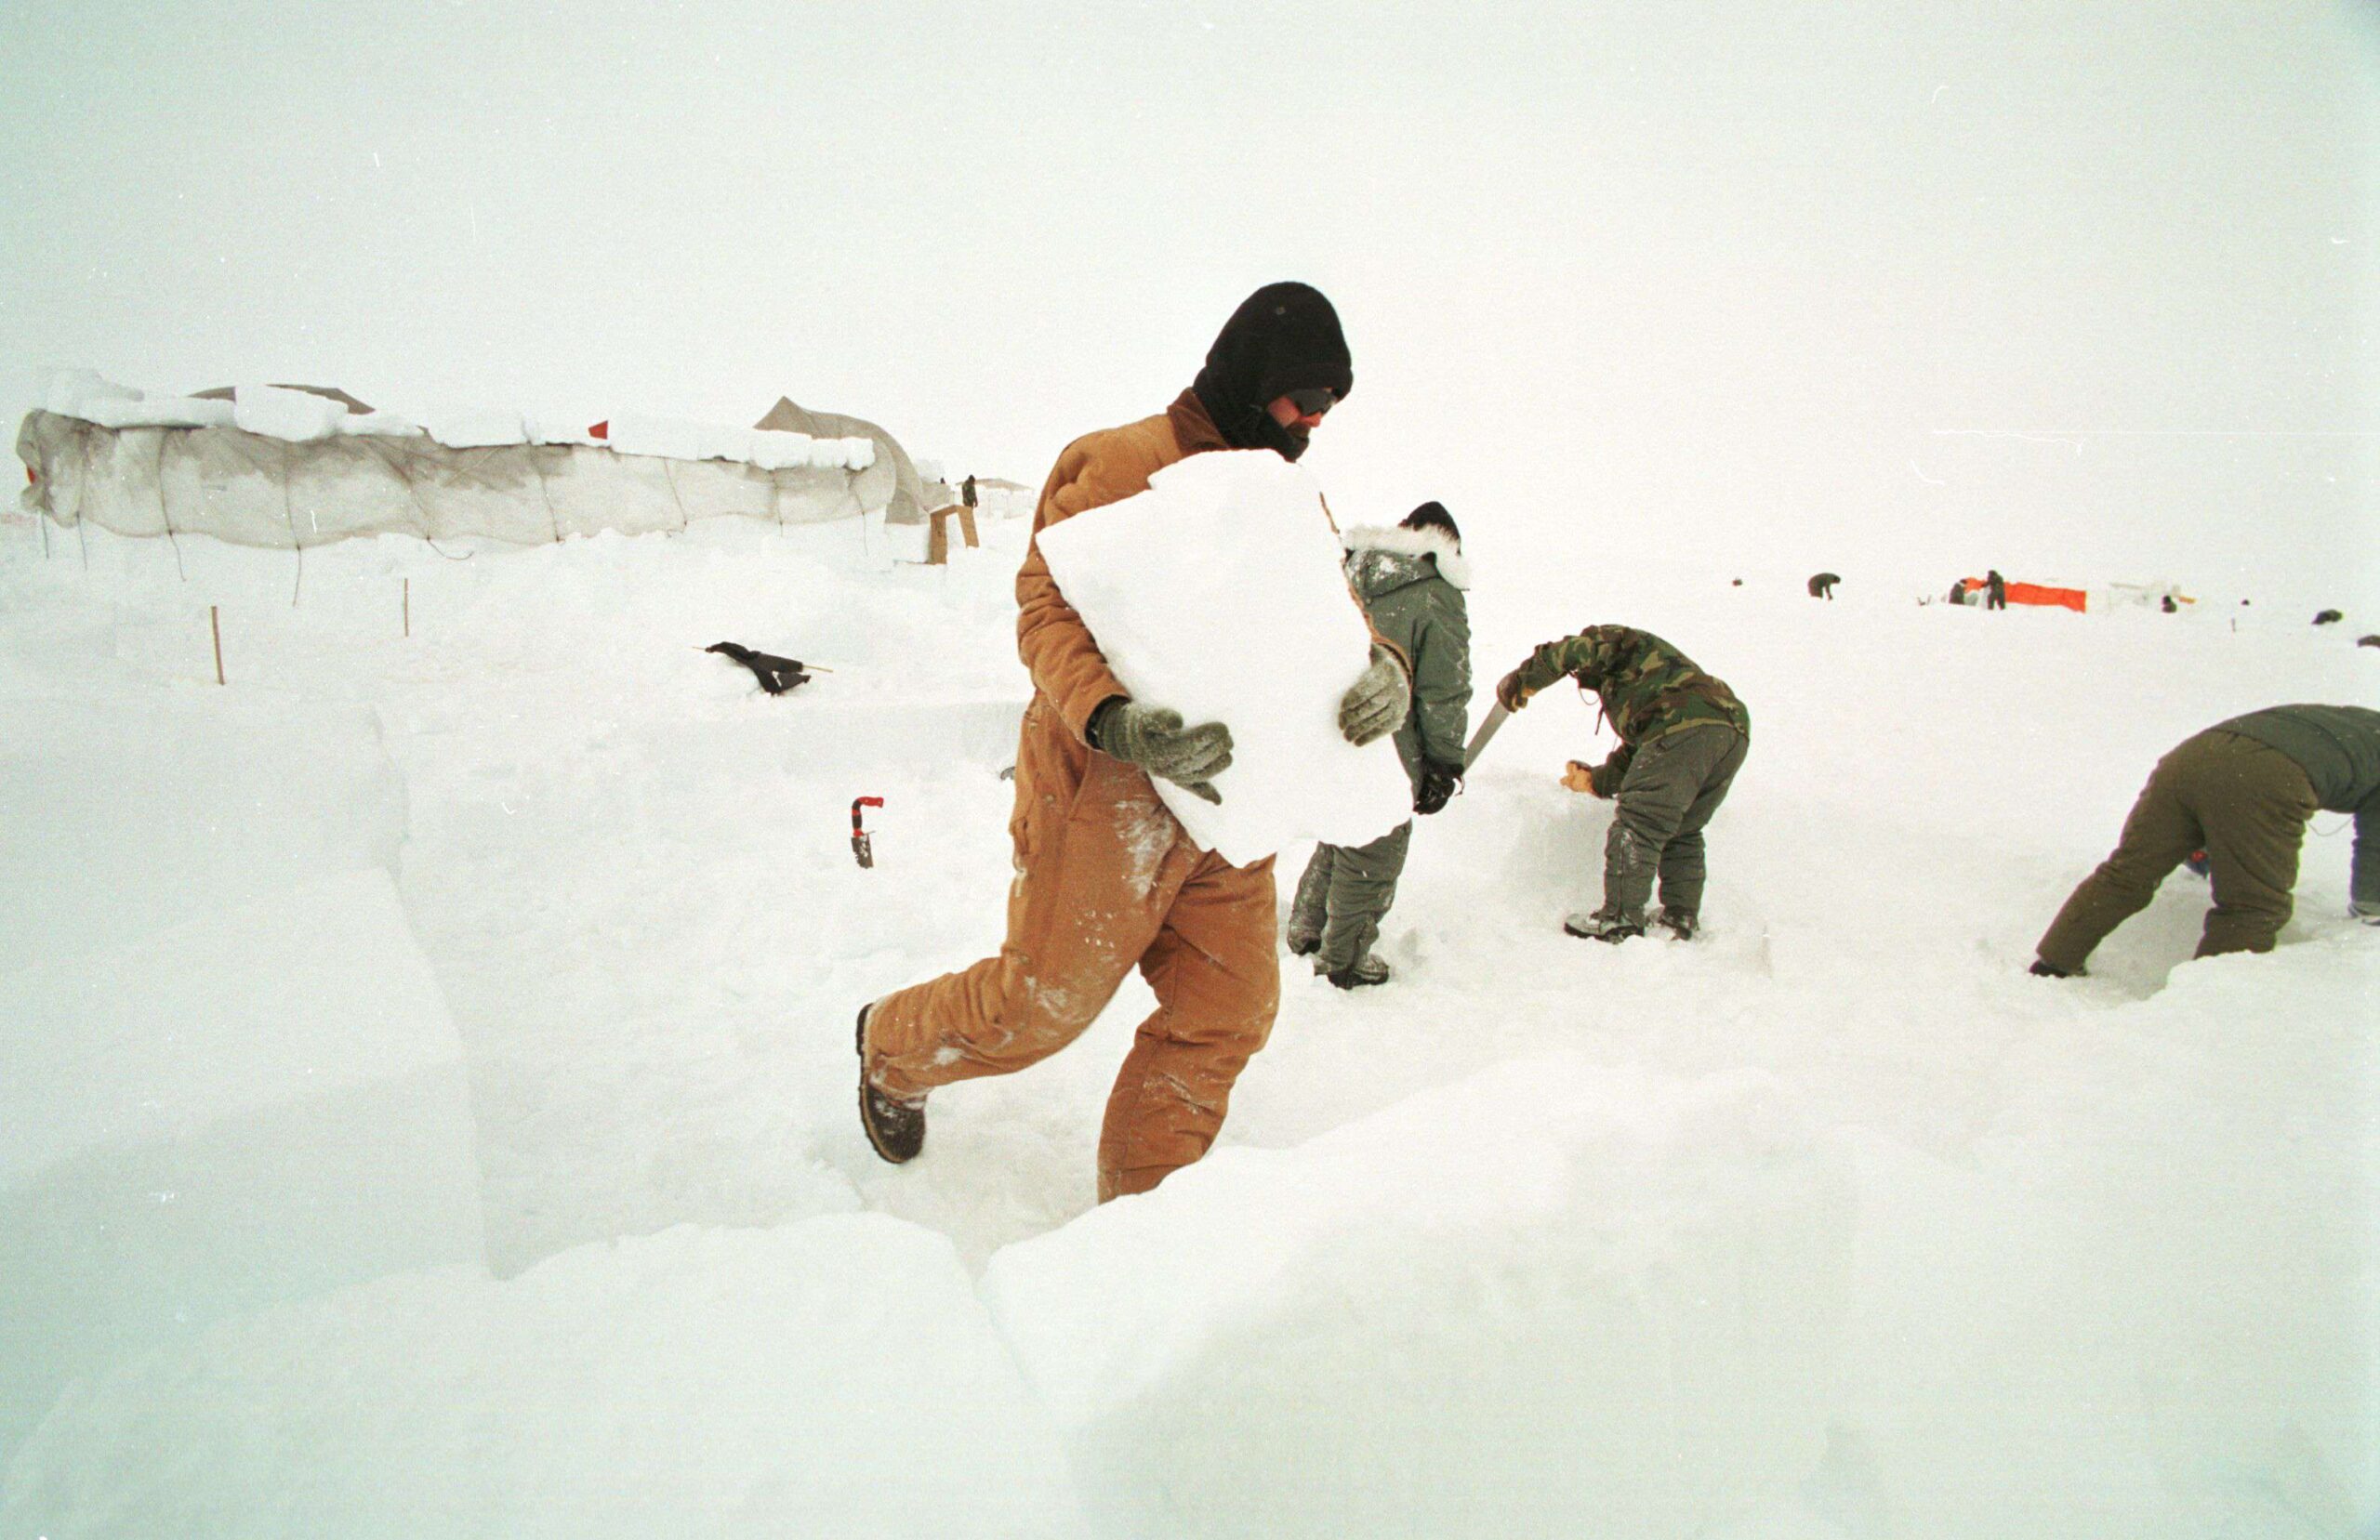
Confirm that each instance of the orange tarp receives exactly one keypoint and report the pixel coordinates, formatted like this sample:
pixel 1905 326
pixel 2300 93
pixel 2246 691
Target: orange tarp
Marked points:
pixel 2034 593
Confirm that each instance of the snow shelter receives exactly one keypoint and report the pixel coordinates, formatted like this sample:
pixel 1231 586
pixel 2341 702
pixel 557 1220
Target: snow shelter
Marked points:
pixel 287 466
pixel 2075 600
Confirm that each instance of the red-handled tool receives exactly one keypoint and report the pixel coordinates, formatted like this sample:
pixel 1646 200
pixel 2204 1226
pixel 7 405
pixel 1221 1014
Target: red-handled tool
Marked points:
pixel 862 846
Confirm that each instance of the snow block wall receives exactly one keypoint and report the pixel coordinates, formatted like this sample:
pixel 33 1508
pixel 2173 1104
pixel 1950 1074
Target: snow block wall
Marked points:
pixel 229 1076
pixel 833 1377
pixel 147 1184
pixel 294 485
pixel 1533 1286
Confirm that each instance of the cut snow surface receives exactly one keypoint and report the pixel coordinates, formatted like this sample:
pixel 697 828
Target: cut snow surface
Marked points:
pixel 1830 1225
pixel 1218 592
pixel 837 1377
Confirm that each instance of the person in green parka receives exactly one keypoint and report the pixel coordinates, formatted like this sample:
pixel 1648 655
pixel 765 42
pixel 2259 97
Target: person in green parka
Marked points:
pixel 1681 738
pixel 1411 580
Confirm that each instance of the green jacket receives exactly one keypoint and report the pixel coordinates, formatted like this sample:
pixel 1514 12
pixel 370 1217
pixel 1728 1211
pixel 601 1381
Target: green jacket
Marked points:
pixel 1647 687
pixel 1411 584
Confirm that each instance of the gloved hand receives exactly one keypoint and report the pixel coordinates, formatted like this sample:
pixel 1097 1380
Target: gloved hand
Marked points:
pixel 1509 694
pixel 1154 738
pixel 1375 704
pixel 1440 781
pixel 1580 776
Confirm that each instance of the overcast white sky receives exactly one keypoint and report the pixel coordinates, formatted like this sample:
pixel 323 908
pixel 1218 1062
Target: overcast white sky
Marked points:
pixel 1750 283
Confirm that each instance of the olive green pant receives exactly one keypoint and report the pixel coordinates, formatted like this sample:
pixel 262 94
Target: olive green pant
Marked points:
pixel 2244 803
pixel 1345 894
pixel 1672 787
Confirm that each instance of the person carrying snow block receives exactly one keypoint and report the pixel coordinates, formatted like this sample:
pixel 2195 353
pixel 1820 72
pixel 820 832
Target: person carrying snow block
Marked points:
pixel 1105 878
pixel 1411 581
pixel 2243 791
pixel 1683 735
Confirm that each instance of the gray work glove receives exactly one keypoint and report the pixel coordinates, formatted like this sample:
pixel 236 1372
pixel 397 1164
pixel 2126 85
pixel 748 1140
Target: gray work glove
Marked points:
pixel 1374 706
pixel 1154 738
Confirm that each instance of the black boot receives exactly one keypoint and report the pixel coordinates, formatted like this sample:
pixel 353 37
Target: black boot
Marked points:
pixel 1680 923
pixel 897 1128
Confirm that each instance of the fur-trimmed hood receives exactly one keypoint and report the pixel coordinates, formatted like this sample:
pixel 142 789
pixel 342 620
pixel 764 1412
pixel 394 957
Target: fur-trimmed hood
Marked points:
pixel 1389 555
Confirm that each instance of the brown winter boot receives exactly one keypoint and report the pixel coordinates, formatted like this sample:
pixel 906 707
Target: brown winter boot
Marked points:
pixel 897 1128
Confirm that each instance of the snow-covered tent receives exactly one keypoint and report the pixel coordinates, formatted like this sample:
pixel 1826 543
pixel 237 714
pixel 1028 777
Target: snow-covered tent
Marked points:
pixel 284 467
pixel 892 483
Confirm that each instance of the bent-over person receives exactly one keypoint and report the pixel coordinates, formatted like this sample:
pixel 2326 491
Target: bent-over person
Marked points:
pixel 2243 791
pixel 1683 735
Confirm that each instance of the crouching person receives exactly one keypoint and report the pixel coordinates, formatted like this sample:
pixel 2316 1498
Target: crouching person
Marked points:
pixel 1411 581
pixel 1107 880
pixel 1681 738
pixel 2242 792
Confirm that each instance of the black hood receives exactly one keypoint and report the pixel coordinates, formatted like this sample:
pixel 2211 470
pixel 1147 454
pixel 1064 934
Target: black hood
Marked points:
pixel 1283 338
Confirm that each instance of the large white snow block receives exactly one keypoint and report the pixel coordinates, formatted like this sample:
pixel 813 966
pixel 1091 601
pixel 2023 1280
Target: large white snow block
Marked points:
pixel 1218 592
pixel 837 1377
pixel 249 1108
pixel 1549 1299
pixel 299 416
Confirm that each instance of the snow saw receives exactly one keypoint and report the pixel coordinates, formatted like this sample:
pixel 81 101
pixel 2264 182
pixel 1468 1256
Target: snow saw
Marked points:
pixel 1479 740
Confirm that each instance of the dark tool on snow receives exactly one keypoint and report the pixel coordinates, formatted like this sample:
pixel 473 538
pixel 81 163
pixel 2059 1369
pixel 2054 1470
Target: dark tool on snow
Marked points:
pixel 776 674
pixel 862 846
pixel 1479 740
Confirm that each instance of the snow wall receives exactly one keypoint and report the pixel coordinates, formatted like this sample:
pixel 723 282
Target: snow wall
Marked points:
pixel 261 489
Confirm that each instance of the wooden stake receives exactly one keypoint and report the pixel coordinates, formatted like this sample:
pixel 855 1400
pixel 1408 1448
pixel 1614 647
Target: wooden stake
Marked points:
pixel 214 623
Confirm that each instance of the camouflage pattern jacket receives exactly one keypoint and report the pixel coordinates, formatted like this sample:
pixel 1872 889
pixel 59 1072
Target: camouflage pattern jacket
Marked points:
pixel 1647 688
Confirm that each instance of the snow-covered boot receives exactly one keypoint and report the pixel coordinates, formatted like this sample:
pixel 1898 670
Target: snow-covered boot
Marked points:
pixel 1368 970
pixel 1303 942
pixel 897 1128
pixel 1607 924
pixel 1680 923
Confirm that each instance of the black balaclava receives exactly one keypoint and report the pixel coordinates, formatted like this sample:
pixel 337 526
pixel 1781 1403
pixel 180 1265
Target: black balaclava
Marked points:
pixel 1283 338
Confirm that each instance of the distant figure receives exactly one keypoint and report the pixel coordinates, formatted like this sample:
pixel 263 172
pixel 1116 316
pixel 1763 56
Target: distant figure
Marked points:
pixel 1738 583
pixel 967 490
pixel 1822 586
pixel 2243 791
pixel 1682 738
pixel 1411 581
pixel 2328 617
pixel 1996 590
pixel 2372 640
pixel 2168 605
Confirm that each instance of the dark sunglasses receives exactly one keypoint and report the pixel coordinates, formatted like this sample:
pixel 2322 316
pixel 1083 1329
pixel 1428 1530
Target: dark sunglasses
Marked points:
pixel 1314 402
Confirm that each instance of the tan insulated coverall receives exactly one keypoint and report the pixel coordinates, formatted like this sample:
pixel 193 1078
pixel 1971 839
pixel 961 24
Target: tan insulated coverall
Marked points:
pixel 1105 880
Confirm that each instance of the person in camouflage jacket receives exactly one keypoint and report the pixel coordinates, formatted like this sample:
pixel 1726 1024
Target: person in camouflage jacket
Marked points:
pixel 1683 735
pixel 1411 580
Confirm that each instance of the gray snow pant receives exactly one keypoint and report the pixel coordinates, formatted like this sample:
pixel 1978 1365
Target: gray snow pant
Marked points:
pixel 1672 787
pixel 1345 894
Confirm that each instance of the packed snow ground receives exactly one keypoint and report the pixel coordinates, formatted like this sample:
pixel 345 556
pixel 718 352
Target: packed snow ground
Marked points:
pixel 428 1104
